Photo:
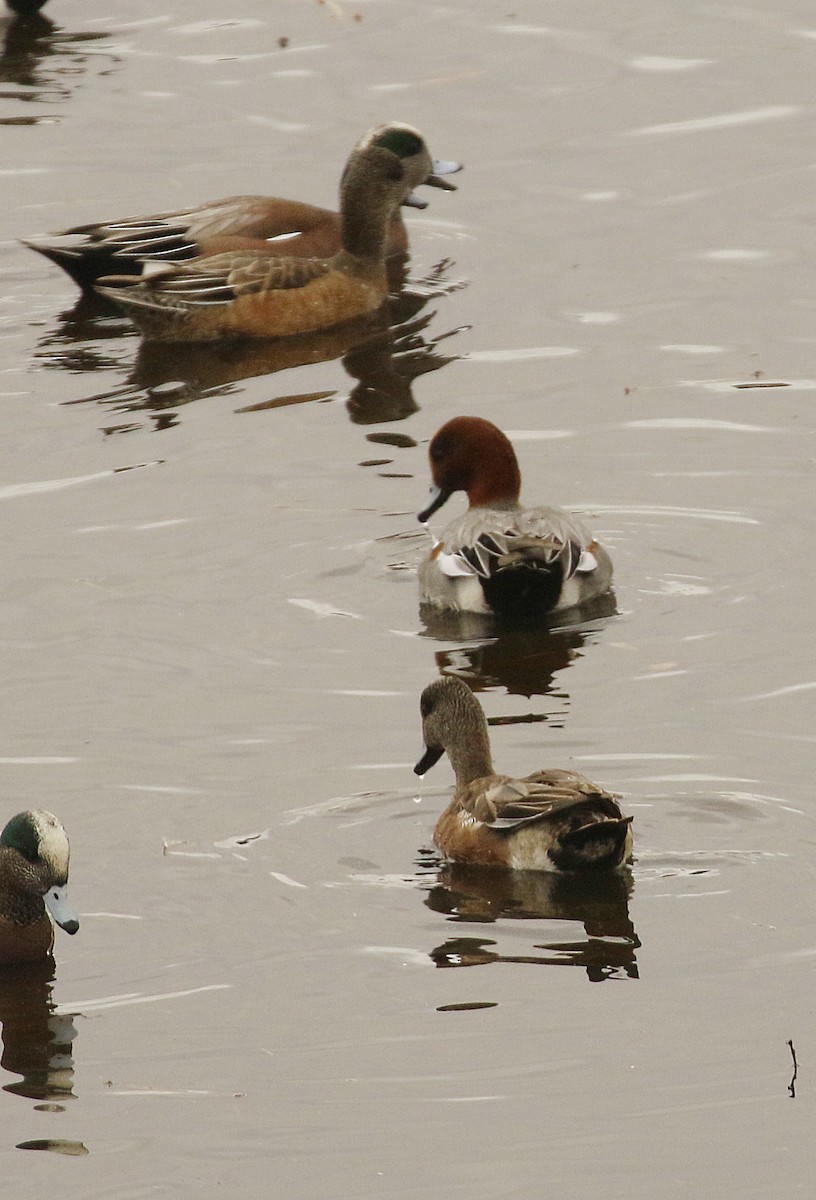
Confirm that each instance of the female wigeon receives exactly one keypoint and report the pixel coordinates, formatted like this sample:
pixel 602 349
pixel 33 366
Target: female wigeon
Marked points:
pixel 517 563
pixel 34 855
pixel 549 821
pixel 265 225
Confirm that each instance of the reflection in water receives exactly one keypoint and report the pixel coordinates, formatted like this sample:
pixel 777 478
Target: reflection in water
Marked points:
pixel 36 54
pixel 37 1042
pixel 383 352
pixel 55 1145
pixel 480 895
pixel 386 368
pixel 526 662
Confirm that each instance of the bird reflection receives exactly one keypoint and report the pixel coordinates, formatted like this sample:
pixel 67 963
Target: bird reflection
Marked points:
pixel 36 54
pixel 37 1042
pixel 600 903
pixel 523 662
pixel 383 353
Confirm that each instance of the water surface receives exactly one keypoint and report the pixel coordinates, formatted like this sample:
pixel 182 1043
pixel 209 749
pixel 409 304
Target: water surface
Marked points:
pixel 213 654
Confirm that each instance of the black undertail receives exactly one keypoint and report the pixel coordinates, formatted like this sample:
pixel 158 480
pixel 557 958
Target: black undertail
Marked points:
pixel 522 593
pixel 88 262
pixel 600 845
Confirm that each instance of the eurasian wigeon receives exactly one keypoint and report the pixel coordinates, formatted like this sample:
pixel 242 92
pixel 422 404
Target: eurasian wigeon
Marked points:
pixel 517 563
pixel 34 855
pixel 549 821
pixel 264 225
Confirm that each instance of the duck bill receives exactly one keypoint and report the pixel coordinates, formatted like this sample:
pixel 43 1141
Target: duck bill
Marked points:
pixel 442 166
pixel 57 903
pixel 439 167
pixel 412 200
pixel 438 497
pixel 431 756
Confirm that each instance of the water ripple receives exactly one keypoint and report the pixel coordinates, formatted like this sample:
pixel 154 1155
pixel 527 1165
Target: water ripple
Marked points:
pixel 749 116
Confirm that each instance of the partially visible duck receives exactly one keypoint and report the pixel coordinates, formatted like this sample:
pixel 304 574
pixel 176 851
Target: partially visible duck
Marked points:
pixel 265 225
pixel 34 856
pixel 549 821
pixel 517 563
pixel 25 8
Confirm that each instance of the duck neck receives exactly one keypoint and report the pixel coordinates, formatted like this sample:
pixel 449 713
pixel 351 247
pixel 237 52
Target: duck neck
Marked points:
pixel 497 482
pixel 20 900
pixel 470 756
pixel 365 213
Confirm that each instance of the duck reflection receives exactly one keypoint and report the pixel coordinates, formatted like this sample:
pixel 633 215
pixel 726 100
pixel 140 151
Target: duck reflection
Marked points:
pixel 384 362
pixel 383 353
pixel 37 55
pixel 523 662
pixel 479 895
pixel 37 1041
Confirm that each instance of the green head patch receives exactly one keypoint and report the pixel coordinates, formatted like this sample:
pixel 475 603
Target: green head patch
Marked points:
pixel 402 142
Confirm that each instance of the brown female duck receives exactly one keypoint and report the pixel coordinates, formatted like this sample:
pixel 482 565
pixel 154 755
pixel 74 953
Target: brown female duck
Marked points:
pixel 549 821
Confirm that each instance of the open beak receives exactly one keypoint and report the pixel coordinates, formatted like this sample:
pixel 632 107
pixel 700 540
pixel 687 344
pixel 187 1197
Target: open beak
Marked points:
pixel 439 167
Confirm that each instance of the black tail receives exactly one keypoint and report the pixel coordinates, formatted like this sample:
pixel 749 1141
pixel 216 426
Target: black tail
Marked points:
pixel 599 844
pixel 524 592
pixel 87 264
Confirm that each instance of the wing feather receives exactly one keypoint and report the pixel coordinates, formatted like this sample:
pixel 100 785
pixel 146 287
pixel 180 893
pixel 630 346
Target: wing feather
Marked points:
pixel 219 279
pixel 485 540
pixel 507 803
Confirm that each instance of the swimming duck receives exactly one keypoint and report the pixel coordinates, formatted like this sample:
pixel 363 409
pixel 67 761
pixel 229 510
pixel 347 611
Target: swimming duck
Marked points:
pixel 265 225
pixel 517 563
pixel 34 855
pixel 259 293
pixel 245 294
pixel 549 821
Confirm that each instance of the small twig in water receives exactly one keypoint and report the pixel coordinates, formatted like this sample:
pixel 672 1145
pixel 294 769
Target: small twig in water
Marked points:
pixel 792 1084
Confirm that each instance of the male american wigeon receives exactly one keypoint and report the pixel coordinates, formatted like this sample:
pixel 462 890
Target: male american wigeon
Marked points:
pixel 34 856
pixel 265 225
pixel 517 563
pixel 549 821
pixel 244 294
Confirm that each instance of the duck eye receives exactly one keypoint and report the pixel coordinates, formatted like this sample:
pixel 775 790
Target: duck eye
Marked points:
pixel 401 142
pixel 440 448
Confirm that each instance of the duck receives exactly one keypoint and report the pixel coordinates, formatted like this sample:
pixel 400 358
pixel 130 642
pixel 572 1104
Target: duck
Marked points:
pixel 243 294
pixel 25 8
pixel 263 225
pixel 552 820
pixel 34 854
pixel 501 558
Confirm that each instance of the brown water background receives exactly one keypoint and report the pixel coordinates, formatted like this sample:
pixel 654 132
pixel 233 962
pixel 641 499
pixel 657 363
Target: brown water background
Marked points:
pixel 225 642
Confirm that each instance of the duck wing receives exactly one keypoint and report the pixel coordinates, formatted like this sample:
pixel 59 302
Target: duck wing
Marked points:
pixel 217 280
pixel 506 804
pixel 177 236
pixel 487 540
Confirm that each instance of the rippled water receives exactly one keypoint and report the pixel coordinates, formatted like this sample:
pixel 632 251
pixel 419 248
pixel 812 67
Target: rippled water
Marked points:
pixel 213 654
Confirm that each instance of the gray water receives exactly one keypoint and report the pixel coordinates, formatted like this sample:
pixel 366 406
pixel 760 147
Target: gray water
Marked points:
pixel 212 663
